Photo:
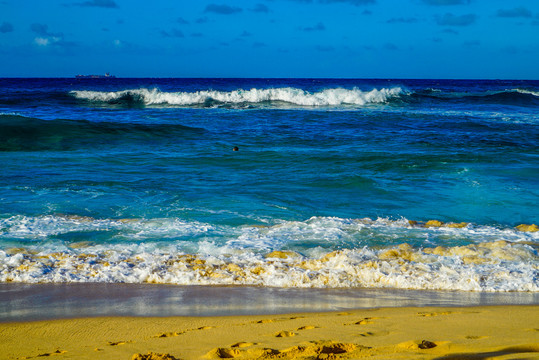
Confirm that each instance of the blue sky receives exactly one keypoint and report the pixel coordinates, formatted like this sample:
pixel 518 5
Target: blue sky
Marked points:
pixel 271 38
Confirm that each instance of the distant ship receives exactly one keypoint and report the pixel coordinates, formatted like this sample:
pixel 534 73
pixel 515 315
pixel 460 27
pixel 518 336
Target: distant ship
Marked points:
pixel 106 76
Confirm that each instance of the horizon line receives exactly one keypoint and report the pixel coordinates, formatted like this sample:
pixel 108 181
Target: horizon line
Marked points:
pixel 268 78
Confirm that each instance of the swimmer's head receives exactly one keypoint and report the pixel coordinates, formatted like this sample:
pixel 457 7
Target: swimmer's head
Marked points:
pixel 235 148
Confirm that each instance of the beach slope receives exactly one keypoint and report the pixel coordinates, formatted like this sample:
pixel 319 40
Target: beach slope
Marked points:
pixel 488 332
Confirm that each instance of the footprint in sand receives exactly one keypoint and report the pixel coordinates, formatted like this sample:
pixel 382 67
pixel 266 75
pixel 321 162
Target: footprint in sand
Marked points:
pixel 116 343
pixel 242 344
pixel 226 353
pixel 285 334
pixel 233 351
pixel 178 333
pixel 370 333
pixel 367 334
pixel 57 352
pixel 475 337
pixel 365 321
pixel 205 328
pixel 308 327
pixel 415 345
pixel 169 334
pixel 153 356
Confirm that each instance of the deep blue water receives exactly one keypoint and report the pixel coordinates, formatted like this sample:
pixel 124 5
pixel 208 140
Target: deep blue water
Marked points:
pixel 148 165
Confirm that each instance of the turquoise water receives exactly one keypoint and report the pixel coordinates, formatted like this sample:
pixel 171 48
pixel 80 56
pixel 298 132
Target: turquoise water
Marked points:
pixel 136 180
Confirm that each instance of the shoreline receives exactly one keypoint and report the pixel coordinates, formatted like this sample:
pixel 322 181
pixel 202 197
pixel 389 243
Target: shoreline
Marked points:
pixel 477 332
pixel 168 322
pixel 35 302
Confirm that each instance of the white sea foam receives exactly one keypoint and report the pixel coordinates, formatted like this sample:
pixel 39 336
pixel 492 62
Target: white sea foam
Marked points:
pixel 497 266
pixel 529 92
pixel 327 97
pixel 330 232
pixel 38 228
pixel 490 258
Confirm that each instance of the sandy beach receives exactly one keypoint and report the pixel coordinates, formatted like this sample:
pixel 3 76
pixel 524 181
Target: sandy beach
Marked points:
pixel 486 332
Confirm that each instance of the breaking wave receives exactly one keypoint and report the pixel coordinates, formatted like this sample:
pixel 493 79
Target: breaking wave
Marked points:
pixel 210 98
pixel 525 91
pixel 496 259
pixel 295 97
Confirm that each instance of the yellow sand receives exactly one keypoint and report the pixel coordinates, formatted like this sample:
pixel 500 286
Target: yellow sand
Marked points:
pixel 499 332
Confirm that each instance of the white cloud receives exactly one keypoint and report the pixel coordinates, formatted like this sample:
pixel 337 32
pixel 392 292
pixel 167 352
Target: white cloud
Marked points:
pixel 42 41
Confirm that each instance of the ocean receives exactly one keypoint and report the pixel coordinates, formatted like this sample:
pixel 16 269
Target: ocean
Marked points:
pixel 336 183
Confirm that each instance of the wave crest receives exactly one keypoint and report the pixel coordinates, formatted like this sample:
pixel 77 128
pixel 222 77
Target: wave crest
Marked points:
pixel 288 95
pixel 527 92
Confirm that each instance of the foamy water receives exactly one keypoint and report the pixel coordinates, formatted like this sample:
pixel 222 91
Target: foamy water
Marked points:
pixel 273 255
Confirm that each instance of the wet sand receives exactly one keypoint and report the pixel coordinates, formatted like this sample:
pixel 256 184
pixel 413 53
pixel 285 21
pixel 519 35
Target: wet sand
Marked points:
pixel 141 322
pixel 29 302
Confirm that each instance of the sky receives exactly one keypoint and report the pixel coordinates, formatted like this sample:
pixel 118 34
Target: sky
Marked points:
pixel 456 39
